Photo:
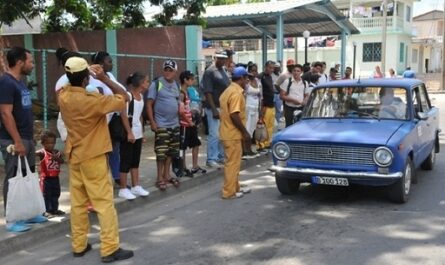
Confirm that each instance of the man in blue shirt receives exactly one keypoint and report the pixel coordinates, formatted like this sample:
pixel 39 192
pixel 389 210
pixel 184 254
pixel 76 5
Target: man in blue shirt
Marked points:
pixel 17 122
pixel 163 113
pixel 409 73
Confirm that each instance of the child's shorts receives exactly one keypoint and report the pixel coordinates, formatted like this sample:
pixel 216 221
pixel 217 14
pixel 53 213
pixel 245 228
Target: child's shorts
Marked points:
pixel 190 139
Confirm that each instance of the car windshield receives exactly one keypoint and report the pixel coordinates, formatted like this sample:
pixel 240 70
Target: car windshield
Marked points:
pixel 357 102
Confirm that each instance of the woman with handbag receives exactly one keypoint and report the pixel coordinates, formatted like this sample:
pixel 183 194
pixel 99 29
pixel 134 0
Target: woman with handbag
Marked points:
pixel 118 121
pixel 253 94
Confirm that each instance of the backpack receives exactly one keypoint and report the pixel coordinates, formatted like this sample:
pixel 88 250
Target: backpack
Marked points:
pixel 145 96
pixel 290 84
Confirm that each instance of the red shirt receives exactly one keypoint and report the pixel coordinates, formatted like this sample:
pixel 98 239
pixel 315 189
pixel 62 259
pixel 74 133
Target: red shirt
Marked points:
pixel 49 167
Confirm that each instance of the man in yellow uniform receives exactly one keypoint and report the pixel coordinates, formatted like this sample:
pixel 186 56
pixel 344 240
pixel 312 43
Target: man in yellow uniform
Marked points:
pixel 87 143
pixel 232 132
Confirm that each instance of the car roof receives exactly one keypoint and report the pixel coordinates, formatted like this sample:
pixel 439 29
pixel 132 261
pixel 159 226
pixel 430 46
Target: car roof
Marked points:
pixel 407 83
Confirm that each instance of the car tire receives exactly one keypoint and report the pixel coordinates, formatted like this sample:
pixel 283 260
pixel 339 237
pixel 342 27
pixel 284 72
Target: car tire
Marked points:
pixel 286 186
pixel 399 191
pixel 428 163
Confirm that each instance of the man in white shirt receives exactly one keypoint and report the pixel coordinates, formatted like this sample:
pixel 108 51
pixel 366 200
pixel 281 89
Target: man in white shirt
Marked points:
pixel 293 92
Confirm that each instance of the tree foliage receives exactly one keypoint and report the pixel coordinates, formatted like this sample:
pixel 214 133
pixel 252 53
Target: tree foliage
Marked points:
pixel 193 11
pixel 13 10
pixel 69 15
pixel 78 15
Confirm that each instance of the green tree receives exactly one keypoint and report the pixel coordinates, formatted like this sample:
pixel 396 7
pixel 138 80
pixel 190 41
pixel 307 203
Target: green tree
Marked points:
pixel 193 11
pixel 70 15
pixel 13 10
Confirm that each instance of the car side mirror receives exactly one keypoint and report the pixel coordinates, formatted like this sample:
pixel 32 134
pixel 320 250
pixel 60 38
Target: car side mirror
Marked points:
pixel 422 116
pixel 297 115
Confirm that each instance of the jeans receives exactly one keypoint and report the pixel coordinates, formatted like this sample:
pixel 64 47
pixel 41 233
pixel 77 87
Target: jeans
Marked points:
pixel 114 160
pixel 278 107
pixel 51 193
pixel 215 149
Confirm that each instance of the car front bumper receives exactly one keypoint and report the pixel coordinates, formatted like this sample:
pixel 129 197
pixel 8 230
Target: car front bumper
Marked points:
pixel 361 177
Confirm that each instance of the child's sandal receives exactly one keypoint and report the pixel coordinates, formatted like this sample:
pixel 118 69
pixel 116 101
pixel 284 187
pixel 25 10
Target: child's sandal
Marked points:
pixel 198 170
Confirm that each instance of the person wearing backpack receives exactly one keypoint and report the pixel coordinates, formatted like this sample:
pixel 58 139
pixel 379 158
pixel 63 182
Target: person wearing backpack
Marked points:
pixel 163 113
pixel 293 93
pixel 130 150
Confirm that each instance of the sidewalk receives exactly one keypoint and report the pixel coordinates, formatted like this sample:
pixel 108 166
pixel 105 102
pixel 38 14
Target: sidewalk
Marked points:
pixel 10 242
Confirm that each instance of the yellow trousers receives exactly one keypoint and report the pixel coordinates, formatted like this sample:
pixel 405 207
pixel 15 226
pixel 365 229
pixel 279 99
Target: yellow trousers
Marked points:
pixel 269 121
pixel 232 151
pixel 91 181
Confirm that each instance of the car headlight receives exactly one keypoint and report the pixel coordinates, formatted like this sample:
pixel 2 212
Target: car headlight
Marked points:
pixel 281 151
pixel 383 156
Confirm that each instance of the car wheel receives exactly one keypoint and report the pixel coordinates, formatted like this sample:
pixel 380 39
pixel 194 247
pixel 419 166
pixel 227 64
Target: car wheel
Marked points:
pixel 285 185
pixel 428 163
pixel 399 191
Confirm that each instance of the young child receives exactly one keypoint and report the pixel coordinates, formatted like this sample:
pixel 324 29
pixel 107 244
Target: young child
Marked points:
pixel 50 161
pixel 190 115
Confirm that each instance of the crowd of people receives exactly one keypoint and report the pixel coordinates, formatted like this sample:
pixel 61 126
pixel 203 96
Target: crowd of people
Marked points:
pixel 102 124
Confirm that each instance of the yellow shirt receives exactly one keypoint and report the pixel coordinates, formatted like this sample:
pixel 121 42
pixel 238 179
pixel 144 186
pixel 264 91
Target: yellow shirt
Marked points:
pixel 85 119
pixel 231 101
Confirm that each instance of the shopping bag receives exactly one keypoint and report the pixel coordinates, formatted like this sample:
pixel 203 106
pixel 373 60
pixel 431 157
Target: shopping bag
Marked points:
pixel 260 133
pixel 25 199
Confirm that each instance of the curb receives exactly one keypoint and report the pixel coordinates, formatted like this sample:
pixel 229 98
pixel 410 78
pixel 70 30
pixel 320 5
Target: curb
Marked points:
pixel 16 242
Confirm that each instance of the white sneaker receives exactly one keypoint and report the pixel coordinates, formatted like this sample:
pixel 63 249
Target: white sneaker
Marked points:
pixel 214 164
pixel 139 191
pixel 126 194
pixel 237 195
pixel 245 190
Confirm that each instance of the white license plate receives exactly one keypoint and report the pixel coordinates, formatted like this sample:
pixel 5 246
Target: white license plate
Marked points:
pixel 330 181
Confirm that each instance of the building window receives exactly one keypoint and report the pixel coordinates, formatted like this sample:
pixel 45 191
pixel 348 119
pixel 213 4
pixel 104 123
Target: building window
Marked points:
pixel 415 55
pixel 372 52
pixel 408 13
pixel 402 52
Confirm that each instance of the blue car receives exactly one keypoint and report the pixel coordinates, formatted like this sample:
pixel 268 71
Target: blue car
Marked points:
pixel 373 132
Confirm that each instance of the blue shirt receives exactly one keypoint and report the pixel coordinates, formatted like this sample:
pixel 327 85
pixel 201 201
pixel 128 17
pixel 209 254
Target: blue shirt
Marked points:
pixel 15 93
pixel 409 74
pixel 166 103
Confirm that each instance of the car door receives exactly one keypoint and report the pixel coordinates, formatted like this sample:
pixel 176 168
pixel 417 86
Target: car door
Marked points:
pixel 426 127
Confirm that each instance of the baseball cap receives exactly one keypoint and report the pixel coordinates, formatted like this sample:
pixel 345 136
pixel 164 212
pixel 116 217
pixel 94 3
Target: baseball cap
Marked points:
pixel 290 62
pixel 220 54
pixel 277 65
pixel 75 65
pixel 170 64
pixel 239 72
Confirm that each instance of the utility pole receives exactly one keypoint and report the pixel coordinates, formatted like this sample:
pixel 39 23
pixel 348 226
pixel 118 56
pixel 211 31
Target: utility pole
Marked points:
pixel 383 68
pixel 443 52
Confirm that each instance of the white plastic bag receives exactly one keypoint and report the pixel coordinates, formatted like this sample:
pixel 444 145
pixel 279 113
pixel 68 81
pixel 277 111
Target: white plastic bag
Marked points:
pixel 25 199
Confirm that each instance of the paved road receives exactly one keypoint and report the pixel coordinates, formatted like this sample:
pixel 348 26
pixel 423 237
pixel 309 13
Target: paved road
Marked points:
pixel 320 225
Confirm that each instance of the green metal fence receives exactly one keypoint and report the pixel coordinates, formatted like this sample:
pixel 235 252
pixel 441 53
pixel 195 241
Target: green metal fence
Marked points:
pixel 47 71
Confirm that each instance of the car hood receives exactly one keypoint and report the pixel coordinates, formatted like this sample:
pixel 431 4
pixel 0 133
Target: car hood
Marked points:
pixel 374 132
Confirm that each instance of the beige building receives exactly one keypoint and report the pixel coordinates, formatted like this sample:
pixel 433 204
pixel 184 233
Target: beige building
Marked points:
pixel 427 49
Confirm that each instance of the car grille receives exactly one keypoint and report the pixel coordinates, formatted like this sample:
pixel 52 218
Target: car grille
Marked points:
pixel 332 154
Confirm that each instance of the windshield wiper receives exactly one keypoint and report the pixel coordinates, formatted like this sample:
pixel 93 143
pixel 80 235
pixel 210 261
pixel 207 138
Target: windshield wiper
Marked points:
pixel 362 114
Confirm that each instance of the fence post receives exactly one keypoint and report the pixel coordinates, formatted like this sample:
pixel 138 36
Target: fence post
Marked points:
pixel 152 64
pixel 45 92
pixel 29 44
pixel 193 45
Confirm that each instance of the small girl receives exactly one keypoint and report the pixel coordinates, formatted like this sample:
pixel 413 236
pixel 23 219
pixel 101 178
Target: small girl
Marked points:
pixel 130 150
pixel 190 114
pixel 50 161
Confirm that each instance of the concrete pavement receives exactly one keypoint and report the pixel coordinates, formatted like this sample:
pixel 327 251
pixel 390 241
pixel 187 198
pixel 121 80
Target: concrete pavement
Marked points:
pixel 60 225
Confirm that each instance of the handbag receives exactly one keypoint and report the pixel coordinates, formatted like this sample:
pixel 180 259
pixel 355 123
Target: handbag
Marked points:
pixel 25 199
pixel 260 133
pixel 116 127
